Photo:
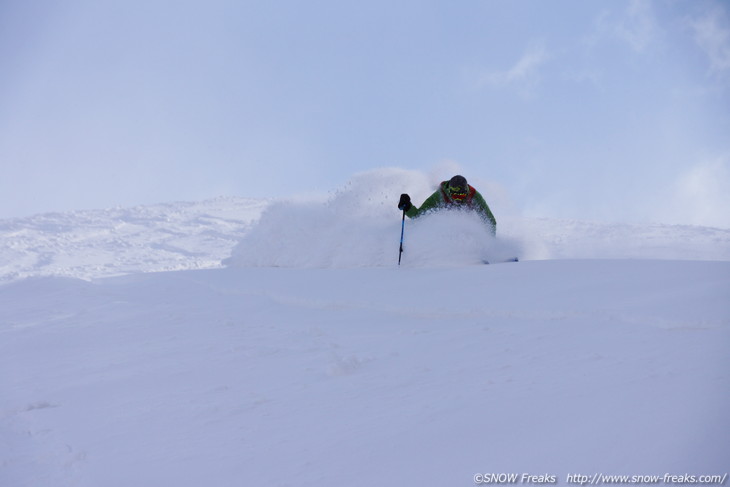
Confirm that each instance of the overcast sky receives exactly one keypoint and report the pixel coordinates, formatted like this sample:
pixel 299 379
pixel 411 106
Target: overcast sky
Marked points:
pixel 614 110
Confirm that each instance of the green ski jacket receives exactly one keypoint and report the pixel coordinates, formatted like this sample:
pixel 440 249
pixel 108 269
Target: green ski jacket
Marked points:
pixel 441 199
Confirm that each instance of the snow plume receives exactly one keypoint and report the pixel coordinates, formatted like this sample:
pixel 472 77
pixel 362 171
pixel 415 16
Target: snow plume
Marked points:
pixel 360 226
pixel 454 238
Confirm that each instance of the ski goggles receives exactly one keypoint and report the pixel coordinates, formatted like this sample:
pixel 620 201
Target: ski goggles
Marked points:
pixel 457 194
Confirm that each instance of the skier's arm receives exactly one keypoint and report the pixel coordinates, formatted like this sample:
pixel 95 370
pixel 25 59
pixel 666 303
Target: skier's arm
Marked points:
pixel 485 212
pixel 431 202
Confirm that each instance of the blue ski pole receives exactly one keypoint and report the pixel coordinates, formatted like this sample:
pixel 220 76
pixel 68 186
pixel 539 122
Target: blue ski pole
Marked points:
pixel 402 228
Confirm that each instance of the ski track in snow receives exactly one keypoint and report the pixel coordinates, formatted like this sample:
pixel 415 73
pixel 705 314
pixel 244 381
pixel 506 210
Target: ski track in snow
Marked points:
pixel 287 348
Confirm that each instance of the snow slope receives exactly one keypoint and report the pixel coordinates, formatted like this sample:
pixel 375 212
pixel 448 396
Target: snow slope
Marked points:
pixel 366 376
pixel 100 243
pixel 339 368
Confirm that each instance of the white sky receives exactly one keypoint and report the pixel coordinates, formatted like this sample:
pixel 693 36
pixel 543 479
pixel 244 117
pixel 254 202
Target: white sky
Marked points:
pixel 611 110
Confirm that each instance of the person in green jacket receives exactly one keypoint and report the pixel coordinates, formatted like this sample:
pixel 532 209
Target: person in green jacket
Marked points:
pixel 455 193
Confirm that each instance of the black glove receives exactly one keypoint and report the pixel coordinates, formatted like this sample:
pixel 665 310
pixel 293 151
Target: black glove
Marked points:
pixel 405 202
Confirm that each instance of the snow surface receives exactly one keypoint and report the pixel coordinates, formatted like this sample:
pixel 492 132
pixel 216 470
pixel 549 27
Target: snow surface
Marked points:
pixel 309 358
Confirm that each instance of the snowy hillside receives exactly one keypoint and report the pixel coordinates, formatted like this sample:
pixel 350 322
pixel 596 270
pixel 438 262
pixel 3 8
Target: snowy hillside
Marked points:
pixel 356 227
pixel 308 358
pixel 99 243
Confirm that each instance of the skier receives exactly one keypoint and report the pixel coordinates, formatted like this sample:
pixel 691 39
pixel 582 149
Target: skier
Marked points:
pixel 455 193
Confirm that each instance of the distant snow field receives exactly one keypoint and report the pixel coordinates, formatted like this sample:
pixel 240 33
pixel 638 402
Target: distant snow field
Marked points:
pixel 241 342
pixel 101 243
